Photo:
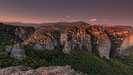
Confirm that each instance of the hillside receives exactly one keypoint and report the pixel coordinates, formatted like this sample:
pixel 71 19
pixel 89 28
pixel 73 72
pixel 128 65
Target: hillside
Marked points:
pixel 88 49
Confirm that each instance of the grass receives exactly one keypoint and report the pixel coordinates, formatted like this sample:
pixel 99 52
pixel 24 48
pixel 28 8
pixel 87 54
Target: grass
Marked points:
pixel 80 60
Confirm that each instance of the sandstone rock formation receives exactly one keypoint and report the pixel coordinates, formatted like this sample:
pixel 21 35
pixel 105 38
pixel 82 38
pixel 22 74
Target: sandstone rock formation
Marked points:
pixel 110 42
pixel 122 41
pixel 91 38
pixel 44 40
pixel 71 42
pixel 100 41
pixel 16 52
pixel 55 70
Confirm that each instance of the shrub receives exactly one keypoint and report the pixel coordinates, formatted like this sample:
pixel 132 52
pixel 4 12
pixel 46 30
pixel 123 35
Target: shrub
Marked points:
pixel 80 60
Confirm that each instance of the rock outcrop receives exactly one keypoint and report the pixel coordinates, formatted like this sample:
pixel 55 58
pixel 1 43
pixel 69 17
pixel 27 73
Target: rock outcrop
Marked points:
pixel 16 52
pixel 54 70
pixel 107 43
pixel 44 40
pixel 121 40
pixel 126 47
pixel 91 38
pixel 101 44
pixel 20 33
pixel 24 32
pixel 71 41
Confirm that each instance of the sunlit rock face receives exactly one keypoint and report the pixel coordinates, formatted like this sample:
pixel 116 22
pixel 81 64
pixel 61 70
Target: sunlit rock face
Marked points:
pixel 100 41
pixel 63 39
pixel 84 38
pixel 91 38
pixel 44 40
pixel 71 42
pixel 71 32
pixel 126 48
pixel 75 40
pixel 121 41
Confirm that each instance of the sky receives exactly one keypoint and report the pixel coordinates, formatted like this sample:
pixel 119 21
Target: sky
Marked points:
pixel 91 11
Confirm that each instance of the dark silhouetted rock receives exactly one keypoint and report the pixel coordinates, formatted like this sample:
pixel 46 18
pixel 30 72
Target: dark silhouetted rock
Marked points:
pixel 24 32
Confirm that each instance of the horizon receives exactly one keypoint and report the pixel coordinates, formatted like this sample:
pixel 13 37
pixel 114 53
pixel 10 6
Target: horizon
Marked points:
pixel 12 23
pixel 47 11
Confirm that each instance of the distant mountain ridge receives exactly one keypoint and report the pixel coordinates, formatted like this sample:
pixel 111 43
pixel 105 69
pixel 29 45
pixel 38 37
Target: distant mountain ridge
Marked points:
pixel 63 24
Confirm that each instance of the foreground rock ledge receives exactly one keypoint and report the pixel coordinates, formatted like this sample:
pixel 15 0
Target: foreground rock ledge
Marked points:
pixel 54 70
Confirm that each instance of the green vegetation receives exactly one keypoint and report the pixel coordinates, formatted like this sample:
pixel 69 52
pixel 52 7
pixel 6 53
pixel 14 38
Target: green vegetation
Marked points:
pixel 9 38
pixel 79 60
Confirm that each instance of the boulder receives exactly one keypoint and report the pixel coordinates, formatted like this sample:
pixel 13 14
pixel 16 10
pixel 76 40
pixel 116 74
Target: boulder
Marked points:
pixel 53 70
pixel 17 52
pixel 38 47
pixel 9 49
pixel 12 70
pixel 29 72
pixel 58 70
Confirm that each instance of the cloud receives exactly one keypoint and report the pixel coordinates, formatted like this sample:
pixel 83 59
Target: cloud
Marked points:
pixel 93 20
pixel 105 20
pixel 68 16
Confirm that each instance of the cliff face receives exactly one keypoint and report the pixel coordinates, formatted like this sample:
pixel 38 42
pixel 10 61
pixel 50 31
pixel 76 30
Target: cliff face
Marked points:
pixel 100 41
pixel 91 38
pixel 110 42
pixel 44 40
pixel 107 43
pixel 119 39
pixel 126 48
pixel 21 33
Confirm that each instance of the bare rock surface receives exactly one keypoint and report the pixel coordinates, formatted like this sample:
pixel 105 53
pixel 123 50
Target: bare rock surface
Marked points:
pixel 53 70
pixel 24 32
pixel 121 40
pixel 101 44
pixel 17 52
pixel 44 40
pixel 11 70
pixel 91 38
pixel 71 42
